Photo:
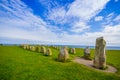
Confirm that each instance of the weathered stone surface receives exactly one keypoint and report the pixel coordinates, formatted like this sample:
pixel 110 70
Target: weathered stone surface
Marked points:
pixel 25 46
pixel 63 55
pixel 30 48
pixel 72 50
pixel 49 52
pixel 43 50
pixel 100 55
pixel 33 48
pixel 87 53
pixel 39 49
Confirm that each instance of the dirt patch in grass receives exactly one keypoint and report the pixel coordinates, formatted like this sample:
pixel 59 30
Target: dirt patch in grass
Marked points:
pixel 89 63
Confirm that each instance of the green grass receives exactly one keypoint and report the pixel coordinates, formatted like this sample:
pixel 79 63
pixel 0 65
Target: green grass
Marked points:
pixel 19 64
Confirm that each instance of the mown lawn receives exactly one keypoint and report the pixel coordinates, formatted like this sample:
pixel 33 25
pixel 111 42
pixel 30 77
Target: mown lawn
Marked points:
pixel 19 64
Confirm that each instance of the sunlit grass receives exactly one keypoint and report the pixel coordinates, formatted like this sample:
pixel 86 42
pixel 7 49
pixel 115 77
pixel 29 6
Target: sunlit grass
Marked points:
pixel 19 64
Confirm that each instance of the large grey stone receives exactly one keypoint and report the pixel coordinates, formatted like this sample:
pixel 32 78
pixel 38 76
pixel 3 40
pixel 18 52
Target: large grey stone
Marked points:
pixel 63 55
pixel 100 55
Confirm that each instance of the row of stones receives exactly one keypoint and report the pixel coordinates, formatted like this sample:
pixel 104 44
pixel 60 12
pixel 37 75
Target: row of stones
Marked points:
pixel 40 49
pixel 99 60
pixel 62 56
pixel 99 56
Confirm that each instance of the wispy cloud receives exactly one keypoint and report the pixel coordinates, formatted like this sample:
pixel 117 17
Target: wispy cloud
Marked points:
pixel 17 20
pixel 98 18
pixel 78 11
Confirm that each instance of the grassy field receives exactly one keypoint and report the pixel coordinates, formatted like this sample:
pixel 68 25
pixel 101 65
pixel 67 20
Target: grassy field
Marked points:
pixel 19 64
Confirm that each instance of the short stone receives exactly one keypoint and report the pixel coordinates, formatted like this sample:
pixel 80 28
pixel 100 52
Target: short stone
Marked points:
pixel 87 53
pixel 49 52
pixel 63 54
pixel 72 51
pixel 43 50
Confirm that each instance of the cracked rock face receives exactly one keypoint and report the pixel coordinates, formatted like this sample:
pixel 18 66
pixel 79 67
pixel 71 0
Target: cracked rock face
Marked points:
pixel 63 55
pixel 100 55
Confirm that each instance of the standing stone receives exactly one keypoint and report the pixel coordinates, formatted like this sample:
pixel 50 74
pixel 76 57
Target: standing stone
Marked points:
pixel 24 46
pixel 43 50
pixel 49 52
pixel 72 50
pixel 39 49
pixel 87 53
pixel 63 55
pixel 100 56
pixel 33 48
pixel 27 47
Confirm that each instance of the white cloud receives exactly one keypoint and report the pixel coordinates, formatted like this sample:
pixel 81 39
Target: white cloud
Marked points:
pixel 108 19
pixel 57 14
pixel 98 18
pixel 79 27
pixel 86 9
pixel 20 22
pixel 117 19
pixel 78 12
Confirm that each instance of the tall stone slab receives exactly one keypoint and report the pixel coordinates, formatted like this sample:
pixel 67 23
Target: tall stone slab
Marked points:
pixel 100 55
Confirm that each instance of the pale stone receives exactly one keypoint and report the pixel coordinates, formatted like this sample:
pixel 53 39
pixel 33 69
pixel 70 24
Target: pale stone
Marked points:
pixel 63 55
pixel 43 50
pixel 30 48
pixel 39 49
pixel 87 53
pixel 49 52
pixel 33 48
pixel 25 46
pixel 72 50
pixel 100 55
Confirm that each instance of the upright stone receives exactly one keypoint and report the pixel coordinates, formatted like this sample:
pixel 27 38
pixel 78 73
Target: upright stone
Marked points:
pixel 39 49
pixel 72 50
pixel 63 55
pixel 27 47
pixel 49 52
pixel 30 47
pixel 100 55
pixel 24 46
pixel 43 50
pixel 87 53
pixel 33 48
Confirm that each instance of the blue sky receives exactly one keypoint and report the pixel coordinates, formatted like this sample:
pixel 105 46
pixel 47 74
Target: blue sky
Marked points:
pixel 77 22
